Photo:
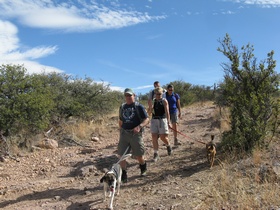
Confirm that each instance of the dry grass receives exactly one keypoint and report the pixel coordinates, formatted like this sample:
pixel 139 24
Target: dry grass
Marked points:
pixel 80 130
pixel 236 186
pixel 236 183
pixel 83 131
pixel 257 156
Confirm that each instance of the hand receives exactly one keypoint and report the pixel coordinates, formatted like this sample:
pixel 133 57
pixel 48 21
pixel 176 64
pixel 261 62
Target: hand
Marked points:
pixel 169 125
pixel 179 115
pixel 137 129
pixel 149 112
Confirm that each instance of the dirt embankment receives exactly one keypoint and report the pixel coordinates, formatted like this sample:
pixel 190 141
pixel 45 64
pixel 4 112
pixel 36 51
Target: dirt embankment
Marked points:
pixel 68 177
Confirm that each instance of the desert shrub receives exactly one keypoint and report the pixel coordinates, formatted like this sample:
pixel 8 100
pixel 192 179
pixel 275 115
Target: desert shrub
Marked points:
pixel 25 103
pixel 248 89
pixel 36 102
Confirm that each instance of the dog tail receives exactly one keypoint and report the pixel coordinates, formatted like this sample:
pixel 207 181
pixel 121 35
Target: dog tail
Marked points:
pixel 212 137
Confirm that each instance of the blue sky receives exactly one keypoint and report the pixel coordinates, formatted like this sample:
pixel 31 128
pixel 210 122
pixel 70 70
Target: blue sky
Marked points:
pixel 132 43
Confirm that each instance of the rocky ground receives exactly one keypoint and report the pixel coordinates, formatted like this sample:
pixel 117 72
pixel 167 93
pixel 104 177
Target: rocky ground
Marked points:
pixel 68 177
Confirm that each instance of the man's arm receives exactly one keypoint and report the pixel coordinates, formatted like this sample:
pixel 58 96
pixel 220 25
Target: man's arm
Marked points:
pixel 150 103
pixel 144 123
pixel 179 107
pixel 120 124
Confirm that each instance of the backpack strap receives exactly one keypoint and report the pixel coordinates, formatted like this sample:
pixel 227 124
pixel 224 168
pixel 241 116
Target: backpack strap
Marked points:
pixel 136 105
pixel 153 93
pixel 121 111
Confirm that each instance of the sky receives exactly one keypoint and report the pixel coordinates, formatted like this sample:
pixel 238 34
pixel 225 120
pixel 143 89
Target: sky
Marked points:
pixel 132 43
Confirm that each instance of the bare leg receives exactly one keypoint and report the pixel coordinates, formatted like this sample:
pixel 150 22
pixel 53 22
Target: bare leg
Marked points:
pixel 141 159
pixel 123 164
pixel 155 141
pixel 174 127
pixel 164 138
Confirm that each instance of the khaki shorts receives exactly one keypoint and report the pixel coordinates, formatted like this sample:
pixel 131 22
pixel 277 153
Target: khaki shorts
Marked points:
pixel 159 126
pixel 134 140
pixel 174 118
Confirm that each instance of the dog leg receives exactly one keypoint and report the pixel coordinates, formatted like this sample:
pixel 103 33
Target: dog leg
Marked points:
pixel 213 157
pixel 105 190
pixel 112 199
pixel 119 181
pixel 212 161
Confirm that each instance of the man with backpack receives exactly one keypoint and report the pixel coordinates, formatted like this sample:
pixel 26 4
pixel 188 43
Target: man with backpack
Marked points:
pixel 174 110
pixel 132 119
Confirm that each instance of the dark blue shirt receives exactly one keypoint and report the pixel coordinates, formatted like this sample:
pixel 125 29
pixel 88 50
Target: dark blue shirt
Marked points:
pixel 129 116
pixel 172 102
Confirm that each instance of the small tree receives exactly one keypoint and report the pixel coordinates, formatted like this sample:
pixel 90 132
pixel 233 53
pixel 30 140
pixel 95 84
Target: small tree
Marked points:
pixel 248 90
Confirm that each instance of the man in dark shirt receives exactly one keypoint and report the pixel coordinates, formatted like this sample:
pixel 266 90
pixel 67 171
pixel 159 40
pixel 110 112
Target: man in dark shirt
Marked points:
pixel 132 118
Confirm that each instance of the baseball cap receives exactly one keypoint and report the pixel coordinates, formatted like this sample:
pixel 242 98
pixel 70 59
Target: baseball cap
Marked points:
pixel 128 91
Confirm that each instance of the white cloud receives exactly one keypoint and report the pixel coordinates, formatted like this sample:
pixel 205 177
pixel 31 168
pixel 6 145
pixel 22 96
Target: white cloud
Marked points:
pixel 8 38
pixel 10 52
pixel 144 87
pixel 263 3
pixel 228 12
pixel 71 17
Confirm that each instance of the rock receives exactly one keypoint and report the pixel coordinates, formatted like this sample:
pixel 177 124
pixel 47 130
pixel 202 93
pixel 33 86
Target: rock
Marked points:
pixel 95 139
pixel 88 150
pixel 57 197
pixel 87 170
pixel 2 159
pixel 48 143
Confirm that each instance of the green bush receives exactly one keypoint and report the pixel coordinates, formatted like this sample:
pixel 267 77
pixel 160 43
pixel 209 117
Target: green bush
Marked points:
pixel 34 102
pixel 248 90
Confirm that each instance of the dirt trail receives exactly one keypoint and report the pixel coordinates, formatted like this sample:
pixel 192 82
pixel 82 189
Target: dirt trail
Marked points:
pixel 68 178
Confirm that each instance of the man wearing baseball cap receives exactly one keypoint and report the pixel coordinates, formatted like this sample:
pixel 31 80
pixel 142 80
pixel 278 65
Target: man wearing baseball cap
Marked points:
pixel 132 119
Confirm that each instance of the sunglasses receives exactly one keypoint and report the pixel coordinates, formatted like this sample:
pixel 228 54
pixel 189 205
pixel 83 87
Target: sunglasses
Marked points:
pixel 170 89
pixel 127 95
pixel 158 94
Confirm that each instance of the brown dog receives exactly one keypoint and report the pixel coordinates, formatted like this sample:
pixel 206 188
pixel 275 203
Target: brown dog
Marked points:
pixel 211 151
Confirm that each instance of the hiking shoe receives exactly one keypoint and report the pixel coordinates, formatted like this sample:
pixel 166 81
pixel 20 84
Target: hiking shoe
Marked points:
pixel 176 142
pixel 169 150
pixel 143 169
pixel 156 157
pixel 124 176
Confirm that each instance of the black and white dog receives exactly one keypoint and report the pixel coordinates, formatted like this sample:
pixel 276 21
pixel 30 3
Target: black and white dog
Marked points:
pixel 111 179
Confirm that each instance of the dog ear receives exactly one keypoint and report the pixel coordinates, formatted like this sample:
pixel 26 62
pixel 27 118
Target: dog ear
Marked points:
pixel 102 179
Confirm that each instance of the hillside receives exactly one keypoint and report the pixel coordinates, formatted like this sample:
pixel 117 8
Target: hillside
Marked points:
pixel 68 177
